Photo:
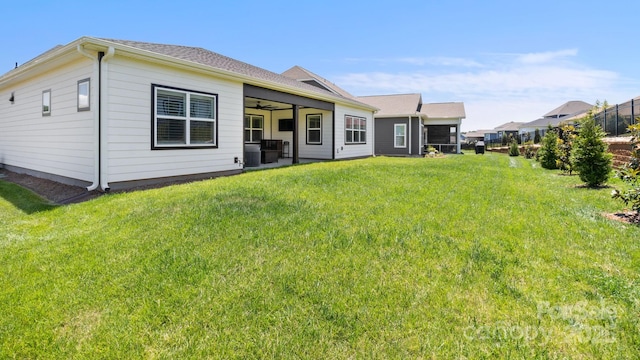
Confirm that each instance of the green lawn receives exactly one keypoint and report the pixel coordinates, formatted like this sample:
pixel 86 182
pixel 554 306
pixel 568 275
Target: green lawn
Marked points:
pixel 459 257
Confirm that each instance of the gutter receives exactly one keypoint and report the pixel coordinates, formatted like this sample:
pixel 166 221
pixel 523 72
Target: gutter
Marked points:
pixel 410 139
pixel 96 120
pixel 99 125
pixel 103 91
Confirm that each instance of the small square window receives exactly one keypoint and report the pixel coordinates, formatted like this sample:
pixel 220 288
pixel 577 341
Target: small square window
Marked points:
pixel 46 103
pixel 83 95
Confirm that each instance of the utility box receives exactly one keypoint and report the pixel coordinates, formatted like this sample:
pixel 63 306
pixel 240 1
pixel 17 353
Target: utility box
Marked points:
pixel 251 155
pixel 480 147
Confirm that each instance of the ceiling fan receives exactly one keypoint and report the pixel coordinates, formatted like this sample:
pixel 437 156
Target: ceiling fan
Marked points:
pixel 263 107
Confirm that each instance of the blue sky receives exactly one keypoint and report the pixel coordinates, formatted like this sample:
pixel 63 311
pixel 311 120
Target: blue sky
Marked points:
pixel 506 60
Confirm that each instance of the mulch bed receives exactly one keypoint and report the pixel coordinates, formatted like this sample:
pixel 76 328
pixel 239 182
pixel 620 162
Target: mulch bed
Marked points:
pixel 628 217
pixel 53 191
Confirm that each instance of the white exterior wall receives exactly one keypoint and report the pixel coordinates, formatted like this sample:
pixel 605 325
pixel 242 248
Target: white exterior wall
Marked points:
pixel 61 144
pixel 128 105
pixel 273 131
pixel 309 151
pixel 344 151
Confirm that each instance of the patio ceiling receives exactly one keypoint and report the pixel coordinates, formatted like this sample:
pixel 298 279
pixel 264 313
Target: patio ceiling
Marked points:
pixel 261 104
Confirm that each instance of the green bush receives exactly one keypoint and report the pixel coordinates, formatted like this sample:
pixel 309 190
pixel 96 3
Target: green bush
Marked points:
pixel 565 144
pixel 513 148
pixel 536 137
pixel 590 156
pixel 630 173
pixel 548 152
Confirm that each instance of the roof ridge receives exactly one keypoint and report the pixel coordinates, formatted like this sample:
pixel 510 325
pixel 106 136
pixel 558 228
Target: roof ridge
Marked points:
pixel 404 94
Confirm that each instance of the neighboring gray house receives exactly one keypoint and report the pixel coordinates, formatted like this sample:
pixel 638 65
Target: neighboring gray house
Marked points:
pixel 403 124
pixel 398 124
pixel 406 126
pixel 106 113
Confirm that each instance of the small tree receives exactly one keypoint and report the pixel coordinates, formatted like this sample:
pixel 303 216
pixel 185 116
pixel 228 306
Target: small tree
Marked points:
pixel 548 152
pixel 590 156
pixel 536 136
pixel 513 148
pixel 567 134
pixel 630 173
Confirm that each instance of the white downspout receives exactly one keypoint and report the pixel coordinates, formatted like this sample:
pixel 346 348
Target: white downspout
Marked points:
pixel 458 134
pixel 410 135
pixel 420 136
pixel 373 133
pixel 96 139
pixel 104 111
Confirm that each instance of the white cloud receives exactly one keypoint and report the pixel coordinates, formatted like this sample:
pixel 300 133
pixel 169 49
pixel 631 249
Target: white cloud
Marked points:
pixel 545 57
pixel 501 89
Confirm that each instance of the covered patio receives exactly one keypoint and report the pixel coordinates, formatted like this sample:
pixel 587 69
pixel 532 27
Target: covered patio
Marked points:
pixel 282 128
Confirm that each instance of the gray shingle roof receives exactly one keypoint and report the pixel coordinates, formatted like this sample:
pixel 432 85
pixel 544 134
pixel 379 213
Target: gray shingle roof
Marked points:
pixel 477 133
pixel 542 123
pixel 212 59
pixel 393 105
pixel 301 74
pixel 569 108
pixel 510 126
pixel 444 110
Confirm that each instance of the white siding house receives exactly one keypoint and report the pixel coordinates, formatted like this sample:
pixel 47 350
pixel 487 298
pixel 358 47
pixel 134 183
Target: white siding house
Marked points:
pixel 57 141
pixel 158 112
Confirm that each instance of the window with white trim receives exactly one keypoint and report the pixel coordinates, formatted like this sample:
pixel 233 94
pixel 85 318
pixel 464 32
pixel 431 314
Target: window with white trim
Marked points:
pixel 314 129
pixel 183 118
pixel 253 128
pixel 46 103
pixel 355 130
pixel 83 95
pixel 400 135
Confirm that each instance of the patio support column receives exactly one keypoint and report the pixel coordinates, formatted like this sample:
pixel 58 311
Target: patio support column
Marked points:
pixel 294 143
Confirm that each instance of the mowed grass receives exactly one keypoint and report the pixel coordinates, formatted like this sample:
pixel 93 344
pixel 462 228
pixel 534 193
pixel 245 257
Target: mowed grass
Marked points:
pixel 459 257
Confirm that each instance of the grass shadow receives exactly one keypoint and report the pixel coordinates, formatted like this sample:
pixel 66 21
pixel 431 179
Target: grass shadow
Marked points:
pixel 24 199
pixel 599 187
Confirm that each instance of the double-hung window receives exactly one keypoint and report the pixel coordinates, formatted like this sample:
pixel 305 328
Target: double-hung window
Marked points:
pixel 183 118
pixel 355 130
pixel 400 135
pixel 253 128
pixel 314 129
